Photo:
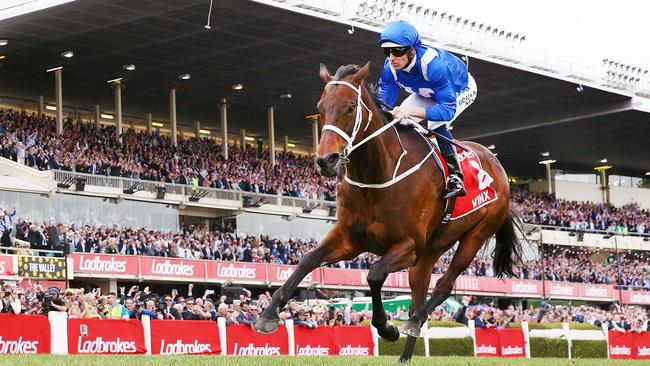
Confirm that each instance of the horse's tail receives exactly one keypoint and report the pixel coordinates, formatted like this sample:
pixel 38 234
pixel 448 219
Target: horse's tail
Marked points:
pixel 507 250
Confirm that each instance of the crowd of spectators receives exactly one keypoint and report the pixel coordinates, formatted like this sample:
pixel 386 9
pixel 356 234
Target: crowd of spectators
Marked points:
pixel 82 147
pixel 136 302
pixel 553 264
pixel 545 209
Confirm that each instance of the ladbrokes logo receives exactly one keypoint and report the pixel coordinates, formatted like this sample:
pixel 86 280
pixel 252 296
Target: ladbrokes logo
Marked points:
pixel 312 351
pixel 97 264
pixel 284 274
pixel 351 350
pixel 180 348
pixel 2 266
pixel 643 351
pixel 252 350
pixel 466 155
pixel 19 346
pixel 169 268
pixel 523 287
pixel 486 349
pixel 640 298
pixel 239 272
pixel 99 345
pixel 593 291
pixel 512 350
pixel 620 350
pixel 557 289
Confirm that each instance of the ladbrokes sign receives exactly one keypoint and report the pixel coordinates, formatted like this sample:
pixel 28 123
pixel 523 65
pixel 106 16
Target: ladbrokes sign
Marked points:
pixel 170 337
pixel 105 336
pixel 165 267
pixel 242 340
pixel 24 334
pixel 109 264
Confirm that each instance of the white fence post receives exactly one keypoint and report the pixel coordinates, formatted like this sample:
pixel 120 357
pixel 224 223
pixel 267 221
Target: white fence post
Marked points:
pixel 221 324
pixel 58 332
pixel 605 328
pixel 567 334
pixel 524 328
pixel 472 332
pixel 146 325
pixel 291 335
pixel 375 341
pixel 425 337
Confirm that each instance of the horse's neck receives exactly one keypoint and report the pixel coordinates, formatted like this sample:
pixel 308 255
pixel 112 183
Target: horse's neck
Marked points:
pixel 374 161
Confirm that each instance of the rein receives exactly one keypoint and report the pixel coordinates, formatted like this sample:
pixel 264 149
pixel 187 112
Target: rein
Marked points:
pixel 350 146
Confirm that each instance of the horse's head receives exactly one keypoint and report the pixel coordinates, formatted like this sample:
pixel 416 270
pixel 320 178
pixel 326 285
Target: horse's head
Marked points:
pixel 341 115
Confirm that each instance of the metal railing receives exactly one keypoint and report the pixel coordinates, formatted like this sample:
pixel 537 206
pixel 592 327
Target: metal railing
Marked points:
pixel 187 190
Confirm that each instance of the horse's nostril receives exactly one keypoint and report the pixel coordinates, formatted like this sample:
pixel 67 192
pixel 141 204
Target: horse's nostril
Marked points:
pixel 321 162
pixel 332 159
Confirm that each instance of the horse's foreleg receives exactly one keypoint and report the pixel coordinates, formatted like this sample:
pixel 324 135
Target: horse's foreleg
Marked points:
pixel 419 278
pixel 467 249
pixel 401 255
pixel 333 249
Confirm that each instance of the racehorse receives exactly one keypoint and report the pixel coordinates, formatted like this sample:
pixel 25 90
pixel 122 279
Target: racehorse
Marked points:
pixel 395 221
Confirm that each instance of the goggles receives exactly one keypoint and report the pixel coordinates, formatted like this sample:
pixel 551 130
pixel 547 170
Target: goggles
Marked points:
pixel 396 51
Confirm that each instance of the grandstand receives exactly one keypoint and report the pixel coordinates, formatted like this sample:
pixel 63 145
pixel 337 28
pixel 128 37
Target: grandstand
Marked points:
pixel 149 164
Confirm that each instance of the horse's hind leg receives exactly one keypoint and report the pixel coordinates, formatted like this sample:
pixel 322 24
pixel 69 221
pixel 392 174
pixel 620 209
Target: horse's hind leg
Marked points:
pixel 335 247
pixel 469 245
pixel 401 255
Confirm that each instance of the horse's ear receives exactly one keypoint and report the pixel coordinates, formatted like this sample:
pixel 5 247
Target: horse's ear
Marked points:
pixel 362 73
pixel 324 74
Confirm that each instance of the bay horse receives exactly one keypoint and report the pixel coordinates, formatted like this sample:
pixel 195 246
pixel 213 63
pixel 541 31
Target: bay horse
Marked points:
pixel 395 221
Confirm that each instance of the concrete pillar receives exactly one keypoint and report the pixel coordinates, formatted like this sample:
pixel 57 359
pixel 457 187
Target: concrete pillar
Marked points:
pixel 243 138
pixel 549 178
pixel 198 129
pixel 149 122
pixel 604 185
pixel 41 105
pixel 314 132
pixel 286 143
pixel 271 118
pixel 224 126
pixel 172 115
pixel 98 115
pixel 58 82
pixel 117 86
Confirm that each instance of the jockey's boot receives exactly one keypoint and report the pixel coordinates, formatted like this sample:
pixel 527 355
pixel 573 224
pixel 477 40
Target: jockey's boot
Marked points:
pixel 455 187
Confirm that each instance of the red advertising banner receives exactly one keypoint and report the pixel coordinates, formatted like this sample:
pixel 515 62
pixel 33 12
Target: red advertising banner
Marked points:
pixel 170 337
pixel 604 292
pixel 523 287
pixel 314 342
pixel 6 265
pixel 345 277
pixel 105 336
pixel 171 267
pixel 561 289
pixel 278 274
pixel 620 345
pixel 641 343
pixel 350 340
pixel 511 343
pixel 242 340
pixel 109 264
pixel 397 280
pixel 24 334
pixel 487 342
pixel 635 297
pixel 236 271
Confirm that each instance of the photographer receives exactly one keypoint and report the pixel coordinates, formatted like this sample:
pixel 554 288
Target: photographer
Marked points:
pixel 10 302
pixel 51 301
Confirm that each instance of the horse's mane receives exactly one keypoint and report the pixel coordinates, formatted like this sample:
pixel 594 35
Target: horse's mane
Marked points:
pixel 373 89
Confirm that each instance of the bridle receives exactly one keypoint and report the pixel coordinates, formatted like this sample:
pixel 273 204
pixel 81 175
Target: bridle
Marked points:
pixel 351 146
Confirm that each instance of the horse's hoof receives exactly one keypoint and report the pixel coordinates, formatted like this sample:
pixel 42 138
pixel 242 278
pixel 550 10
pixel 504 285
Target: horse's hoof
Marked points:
pixel 410 328
pixel 266 326
pixel 403 359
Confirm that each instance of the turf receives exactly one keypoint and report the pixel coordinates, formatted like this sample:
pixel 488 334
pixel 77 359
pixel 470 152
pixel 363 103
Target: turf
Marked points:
pixel 49 360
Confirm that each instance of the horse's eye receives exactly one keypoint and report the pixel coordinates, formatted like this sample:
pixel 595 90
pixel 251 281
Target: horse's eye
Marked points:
pixel 352 108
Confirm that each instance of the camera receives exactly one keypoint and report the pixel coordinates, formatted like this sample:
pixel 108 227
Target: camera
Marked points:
pixel 45 298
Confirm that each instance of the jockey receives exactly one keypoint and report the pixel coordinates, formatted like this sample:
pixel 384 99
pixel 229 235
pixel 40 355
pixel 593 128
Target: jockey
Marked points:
pixel 439 84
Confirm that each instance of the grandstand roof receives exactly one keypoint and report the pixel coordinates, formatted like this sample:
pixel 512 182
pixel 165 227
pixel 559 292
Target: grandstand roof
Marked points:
pixel 274 51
